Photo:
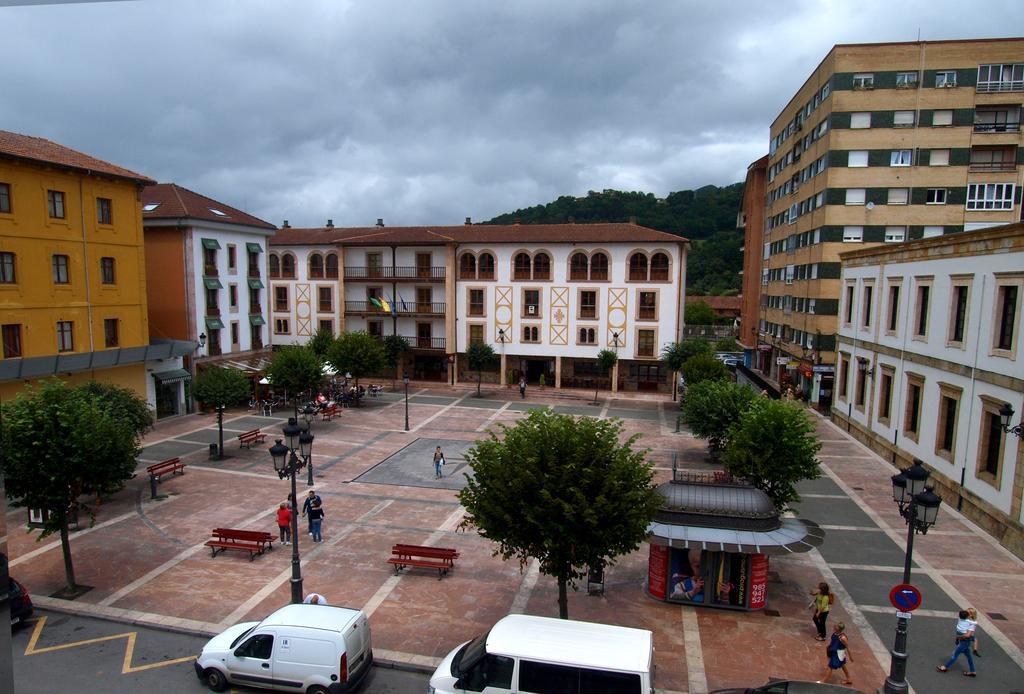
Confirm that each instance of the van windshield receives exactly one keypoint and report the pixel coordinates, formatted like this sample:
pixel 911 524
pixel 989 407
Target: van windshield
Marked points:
pixel 469 655
pixel 241 636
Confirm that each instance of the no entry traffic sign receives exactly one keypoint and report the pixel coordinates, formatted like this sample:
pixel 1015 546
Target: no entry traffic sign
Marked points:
pixel 905 597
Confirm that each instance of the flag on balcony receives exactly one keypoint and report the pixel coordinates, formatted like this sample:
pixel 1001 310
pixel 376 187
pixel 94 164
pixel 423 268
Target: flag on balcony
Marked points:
pixel 401 302
pixel 381 303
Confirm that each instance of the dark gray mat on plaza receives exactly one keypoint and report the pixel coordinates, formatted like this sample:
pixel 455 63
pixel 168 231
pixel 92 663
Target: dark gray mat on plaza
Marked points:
pixel 259 421
pixel 413 465
pixel 822 485
pixel 649 415
pixel 525 406
pixel 481 403
pixel 834 512
pixel 578 410
pixel 872 588
pixel 174 448
pixel 859 547
pixel 431 400
pixel 208 436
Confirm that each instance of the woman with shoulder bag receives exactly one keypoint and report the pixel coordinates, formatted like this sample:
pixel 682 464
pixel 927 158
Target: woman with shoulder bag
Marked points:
pixel 838 652
pixel 821 602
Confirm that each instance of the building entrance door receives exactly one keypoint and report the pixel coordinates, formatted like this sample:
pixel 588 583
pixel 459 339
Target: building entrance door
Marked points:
pixel 536 367
pixel 648 376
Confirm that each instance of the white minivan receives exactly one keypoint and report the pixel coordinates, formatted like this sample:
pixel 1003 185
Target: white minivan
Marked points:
pixel 313 649
pixel 541 655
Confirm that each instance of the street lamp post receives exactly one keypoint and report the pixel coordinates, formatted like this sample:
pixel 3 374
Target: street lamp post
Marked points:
pixel 308 415
pixel 919 506
pixel 287 463
pixel 405 380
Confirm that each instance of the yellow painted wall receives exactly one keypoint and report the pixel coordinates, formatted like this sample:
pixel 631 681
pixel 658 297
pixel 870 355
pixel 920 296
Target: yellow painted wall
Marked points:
pixel 132 377
pixel 35 301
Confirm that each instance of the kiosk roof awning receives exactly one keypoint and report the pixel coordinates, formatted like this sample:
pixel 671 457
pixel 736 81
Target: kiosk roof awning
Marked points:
pixel 795 535
pixel 173 376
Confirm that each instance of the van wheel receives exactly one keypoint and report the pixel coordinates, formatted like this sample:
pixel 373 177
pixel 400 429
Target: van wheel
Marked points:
pixel 215 679
pixel 317 689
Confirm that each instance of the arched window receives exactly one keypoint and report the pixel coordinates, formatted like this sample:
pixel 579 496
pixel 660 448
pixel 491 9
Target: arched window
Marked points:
pixel 659 267
pixel 332 265
pixel 275 265
pixel 599 266
pixel 467 267
pixel 638 267
pixel 486 266
pixel 542 266
pixel 288 266
pixel 316 266
pixel 578 267
pixel 521 267
pixel 587 336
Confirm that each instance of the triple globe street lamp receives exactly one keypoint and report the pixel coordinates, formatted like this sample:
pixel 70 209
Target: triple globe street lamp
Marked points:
pixel 288 459
pixel 919 506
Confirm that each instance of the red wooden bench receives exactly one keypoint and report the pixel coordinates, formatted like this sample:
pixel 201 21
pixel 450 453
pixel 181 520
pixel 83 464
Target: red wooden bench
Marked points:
pixel 252 541
pixel 169 466
pixel 329 413
pixel 440 558
pixel 250 437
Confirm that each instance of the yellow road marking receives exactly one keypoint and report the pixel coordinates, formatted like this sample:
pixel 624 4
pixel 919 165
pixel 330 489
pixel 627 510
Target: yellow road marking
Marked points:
pixel 126 665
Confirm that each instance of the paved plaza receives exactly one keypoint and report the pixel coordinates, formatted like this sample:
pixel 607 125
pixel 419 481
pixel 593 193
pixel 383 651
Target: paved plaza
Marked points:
pixel 146 564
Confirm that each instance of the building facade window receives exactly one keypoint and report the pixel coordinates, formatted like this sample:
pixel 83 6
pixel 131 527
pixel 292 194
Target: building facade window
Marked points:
pixel 61 274
pixel 895 234
pixel 990 444
pixel 65 336
pixel 912 413
pixel 864 80
pixel 960 297
pixel 990 196
pixel 935 196
pixel 945 430
pixel 325 299
pixel 942 117
pixel 467 266
pixel 1007 310
pixel 598 267
pixel 866 305
pixel 885 380
pixel 659 267
pixel 843 367
pixel 55 204
pixel 331 266
pixel 638 267
pixel 853 234
pixel 906 80
pixel 647 306
pixel 645 343
pixel 945 78
pixel 12 340
pixel 921 308
pixel 476 302
pixel 280 298
pixel 281 326
pixel 531 333
pixel 938 157
pixel 375 328
pixel 234 335
pixel 327 325
pixel 855 196
pixel 288 266
pixel 579 266
pixel 110 338
pixel 104 211
pixel 588 304
pixel 316 266
pixel 901 157
pixel 107 270
pixel 485 267
pixel 7 274
pixel 588 336
pixel 1004 77
pixel 476 333
pixel 521 266
pixel 274 263
pixel 232 258
pixel 542 266
pixel 893 307
pixel 531 303
pixel 233 295
pixel 898 196
pixel 860 119
pixel 860 383
pixel 848 308
pixel 5 198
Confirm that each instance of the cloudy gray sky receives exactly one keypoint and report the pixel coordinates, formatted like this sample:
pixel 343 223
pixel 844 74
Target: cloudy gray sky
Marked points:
pixel 425 112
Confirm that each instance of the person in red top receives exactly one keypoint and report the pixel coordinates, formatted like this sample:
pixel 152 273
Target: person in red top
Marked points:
pixel 284 523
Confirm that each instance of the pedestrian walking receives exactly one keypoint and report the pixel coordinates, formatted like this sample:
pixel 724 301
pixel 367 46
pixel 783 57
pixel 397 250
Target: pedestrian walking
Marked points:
pixel 316 519
pixel 838 654
pixel 962 644
pixel 822 600
pixel 438 462
pixel 311 498
pixel 972 615
pixel 522 386
pixel 315 599
pixel 284 523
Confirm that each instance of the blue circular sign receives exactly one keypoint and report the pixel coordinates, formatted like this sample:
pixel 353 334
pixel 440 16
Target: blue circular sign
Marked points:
pixel 905 597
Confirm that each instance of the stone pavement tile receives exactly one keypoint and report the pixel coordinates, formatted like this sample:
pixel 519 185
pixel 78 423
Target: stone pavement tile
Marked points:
pixel 482 403
pixel 834 512
pixel 872 588
pixel 821 485
pixel 175 448
pixel 1000 595
pixel 850 547
pixel 432 399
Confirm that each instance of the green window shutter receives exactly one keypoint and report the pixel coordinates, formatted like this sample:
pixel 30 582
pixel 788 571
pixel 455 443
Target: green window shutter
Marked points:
pixel 879 157
pixel 839 120
pixel 839 157
pixel 886 80
pixel 879 196
pixel 842 81
pixel 952 229
pixel 212 244
pixel 963 116
pixel 918 196
pixel 835 196
pixel 915 232
pixel 256 319
pixel 928 78
pixel 923 157
pixel 882 119
pixel 1020 155
pixel 253 247
pixel 967 77
pixel 212 283
pixel 925 116
pixel 826 307
pixel 874 234
pixel 826 343
pixel 956 196
pixel 214 324
pixel 828 271
pixel 961 156
pixel 830 234
pixel 255 284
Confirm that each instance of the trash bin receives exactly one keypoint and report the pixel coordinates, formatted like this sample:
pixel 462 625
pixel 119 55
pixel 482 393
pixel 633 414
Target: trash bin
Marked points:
pixel 214 451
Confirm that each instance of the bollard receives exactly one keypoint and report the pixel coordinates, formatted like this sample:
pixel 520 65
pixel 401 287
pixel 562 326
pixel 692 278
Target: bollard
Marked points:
pixel 152 486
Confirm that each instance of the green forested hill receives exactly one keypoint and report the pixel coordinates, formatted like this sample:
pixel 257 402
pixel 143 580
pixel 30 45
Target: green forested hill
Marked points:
pixel 706 216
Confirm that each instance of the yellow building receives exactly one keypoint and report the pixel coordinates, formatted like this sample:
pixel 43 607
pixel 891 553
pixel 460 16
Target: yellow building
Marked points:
pixel 72 271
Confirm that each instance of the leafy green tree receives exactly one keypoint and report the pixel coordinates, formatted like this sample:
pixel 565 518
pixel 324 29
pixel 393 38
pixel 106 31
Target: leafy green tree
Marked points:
pixel 62 445
pixel 773 446
pixel 564 491
pixel 394 347
pixel 606 361
pixel 479 355
pixel 674 355
pixel 296 369
pixel 693 348
pixel 712 407
pixel 726 344
pixel 698 313
pixel 703 367
pixel 122 404
pixel 321 342
pixel 357 353
pixel 219 388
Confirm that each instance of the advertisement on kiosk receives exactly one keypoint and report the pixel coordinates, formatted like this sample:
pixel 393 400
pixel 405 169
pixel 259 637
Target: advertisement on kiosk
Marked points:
pixel 717 579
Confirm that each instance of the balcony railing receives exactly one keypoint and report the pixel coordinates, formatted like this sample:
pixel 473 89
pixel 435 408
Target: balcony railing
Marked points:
pixel 408 308
pixel 1001 86
pixel 714 332
pixel 1009 127
pixel 254 272
pixel 437 343
pixel 993 166
pixel 210 271
pixel 213 311
pixel 359 272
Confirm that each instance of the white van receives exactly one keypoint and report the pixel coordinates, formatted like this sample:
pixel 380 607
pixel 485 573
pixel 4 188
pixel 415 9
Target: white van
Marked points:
pixel 313 649
pixel 541 655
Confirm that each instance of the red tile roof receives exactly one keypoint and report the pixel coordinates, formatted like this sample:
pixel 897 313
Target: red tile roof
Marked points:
pixel 474 233
pixel 174 202
pixel 38 149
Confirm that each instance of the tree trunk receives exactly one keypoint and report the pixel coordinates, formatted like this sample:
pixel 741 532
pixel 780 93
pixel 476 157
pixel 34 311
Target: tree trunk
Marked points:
pixel 597 386
pixel 479 376
pixel 220 433
pixel 563 599
pixel 65 546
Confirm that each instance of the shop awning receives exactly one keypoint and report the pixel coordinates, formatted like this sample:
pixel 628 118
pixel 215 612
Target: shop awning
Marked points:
pixel 172 376
pixel 253 247
pixel 255 284
pixel 794 535
pixel 212 244
pixel 214 324
pixel 213 283
pixel 256 319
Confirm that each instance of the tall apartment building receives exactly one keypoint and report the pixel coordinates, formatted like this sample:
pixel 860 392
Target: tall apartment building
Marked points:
pixel 547 297
pixel 72 270
pixel 883 143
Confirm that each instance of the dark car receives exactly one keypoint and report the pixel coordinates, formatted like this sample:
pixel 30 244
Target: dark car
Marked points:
pixel 21 602
pixel 788 687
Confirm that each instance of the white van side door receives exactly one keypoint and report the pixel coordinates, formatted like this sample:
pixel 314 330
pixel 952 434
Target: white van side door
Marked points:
pixel 251 662
pixel 494 674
